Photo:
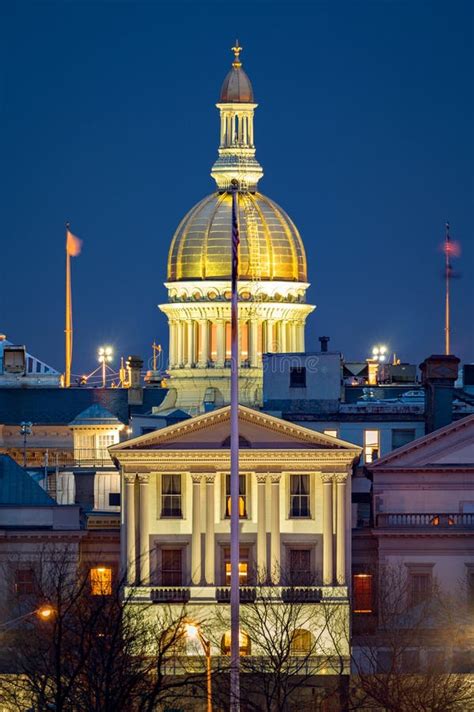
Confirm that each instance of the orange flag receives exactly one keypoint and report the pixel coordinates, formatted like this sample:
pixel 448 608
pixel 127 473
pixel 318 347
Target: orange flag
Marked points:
pixel 73 244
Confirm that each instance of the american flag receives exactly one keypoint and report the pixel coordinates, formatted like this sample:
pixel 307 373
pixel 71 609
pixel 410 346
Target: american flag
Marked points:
pixel 235 237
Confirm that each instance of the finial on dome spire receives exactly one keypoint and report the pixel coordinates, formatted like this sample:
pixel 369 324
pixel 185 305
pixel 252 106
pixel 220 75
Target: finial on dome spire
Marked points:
pixel 237 49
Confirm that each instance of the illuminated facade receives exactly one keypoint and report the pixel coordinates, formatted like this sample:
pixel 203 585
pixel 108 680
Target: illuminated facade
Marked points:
pixel 272 272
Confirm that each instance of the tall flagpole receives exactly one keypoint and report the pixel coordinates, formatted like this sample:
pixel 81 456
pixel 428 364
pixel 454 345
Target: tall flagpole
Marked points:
pixel 234 466
pixel 68 326
pixel 447 324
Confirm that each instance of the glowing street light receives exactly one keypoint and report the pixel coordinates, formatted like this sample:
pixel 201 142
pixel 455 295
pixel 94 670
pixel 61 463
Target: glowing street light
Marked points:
pixel 379 353
pixel 44 613
pixel 194 633
pixel 105 355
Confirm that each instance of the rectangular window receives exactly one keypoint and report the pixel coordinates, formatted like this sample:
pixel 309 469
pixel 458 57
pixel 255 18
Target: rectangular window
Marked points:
pixel 243 566
pixel 171 567
pixel 171 496
pixel 114 499
pixel 101 581
pixel 362 593
pixel 242 496
pixel 371 445
pixel 297 377
pixel 24 582
pixel 401 437
pixel 332 433
pixel 300 567
pixel 420 587
pixel 299 496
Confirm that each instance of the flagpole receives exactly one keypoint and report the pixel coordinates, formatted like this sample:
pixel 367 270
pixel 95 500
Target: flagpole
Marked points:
pixel 447 320
pixel 234 466
pixel 68 325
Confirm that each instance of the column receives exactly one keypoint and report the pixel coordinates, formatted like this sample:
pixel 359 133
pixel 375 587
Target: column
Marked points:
pixel 270 335
pixel 172 352
pixel 189 343
pixel 283 345
pixel 275 530
pixel 180 343
pixel 220 329
pixel 196 532
pixel 300 336
pixel 341 480
pixel 253 342
pixel 210 565
pixel 328 544
pixel 144 529
pixel 203 343
pixel 129 519
pixel 293 336
pixel 261 529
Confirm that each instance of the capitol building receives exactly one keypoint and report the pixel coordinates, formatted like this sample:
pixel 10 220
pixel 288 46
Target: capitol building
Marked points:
pixel 272 272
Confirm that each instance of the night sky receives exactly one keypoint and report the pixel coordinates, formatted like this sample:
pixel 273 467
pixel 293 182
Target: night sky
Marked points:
pixel 365 131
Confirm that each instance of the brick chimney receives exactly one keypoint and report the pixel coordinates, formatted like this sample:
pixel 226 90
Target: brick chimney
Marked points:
pixel 135 391
pixel 438 374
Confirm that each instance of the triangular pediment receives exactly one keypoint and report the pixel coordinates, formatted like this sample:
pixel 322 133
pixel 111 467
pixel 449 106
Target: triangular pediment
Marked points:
pixel 452 445
pixel 211 431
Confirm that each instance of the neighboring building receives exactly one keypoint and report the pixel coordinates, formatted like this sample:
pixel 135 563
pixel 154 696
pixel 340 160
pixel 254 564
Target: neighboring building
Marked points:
pixel 294 506
pixel 20 369
pixel 272 272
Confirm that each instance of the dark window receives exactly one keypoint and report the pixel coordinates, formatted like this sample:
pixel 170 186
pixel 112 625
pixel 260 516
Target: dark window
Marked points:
pixel 242 496
pixel 462 662
pixel 171 567
pixel 24 582
pixel 385 661
pixel 401 437
pixel 299 495
pixel 171 496
pixel 411 661
pixel 114 499
pixel 300 567
pixel 420 587
pixel 362 591
pixel 297 377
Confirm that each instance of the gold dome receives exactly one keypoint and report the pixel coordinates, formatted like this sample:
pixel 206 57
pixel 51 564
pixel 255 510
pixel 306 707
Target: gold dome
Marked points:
pixel 270 244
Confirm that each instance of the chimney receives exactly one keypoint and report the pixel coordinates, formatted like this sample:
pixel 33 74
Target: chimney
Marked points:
pixel 135 391
pixel 324 340
pixel 438 374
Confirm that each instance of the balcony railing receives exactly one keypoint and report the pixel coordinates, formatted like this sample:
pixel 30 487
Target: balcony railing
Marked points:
pixel 172 595
pixel 61 458
pixel 248 594
pixel 424 520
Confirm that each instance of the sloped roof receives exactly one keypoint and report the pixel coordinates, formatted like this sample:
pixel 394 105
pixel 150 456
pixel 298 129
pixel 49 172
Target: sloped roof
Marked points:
pixel 450 446
pixel 95 415
pixel 18 488
pixel 59 406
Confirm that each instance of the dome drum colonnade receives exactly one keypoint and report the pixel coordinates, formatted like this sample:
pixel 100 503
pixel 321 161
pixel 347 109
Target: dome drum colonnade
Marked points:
pixel 272 269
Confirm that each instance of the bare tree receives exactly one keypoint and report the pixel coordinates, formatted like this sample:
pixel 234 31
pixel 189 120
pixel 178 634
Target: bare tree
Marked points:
pixel 96 652
pixel 400 664
pixel 294 646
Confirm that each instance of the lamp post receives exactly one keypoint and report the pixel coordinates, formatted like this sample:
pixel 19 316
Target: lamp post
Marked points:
pixel 25 430
pixel 194 633
pixel 105 355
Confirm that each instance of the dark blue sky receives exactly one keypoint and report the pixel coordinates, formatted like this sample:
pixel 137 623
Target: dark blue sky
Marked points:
pixel 365 131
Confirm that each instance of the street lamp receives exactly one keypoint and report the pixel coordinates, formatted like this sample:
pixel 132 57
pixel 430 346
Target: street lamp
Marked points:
pixel 194 633
pixel 379 353
pixel 105 355
pixel 44 613
pixel 25 430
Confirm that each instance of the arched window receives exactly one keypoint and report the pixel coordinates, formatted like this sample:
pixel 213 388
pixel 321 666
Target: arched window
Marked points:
pixel 244 643
pixel 301 642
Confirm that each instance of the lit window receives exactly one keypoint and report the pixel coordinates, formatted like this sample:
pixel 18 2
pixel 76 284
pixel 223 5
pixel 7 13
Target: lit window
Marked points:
pixel 242 496
pixel 362 593
pixel 24 582
pixel 301 641
pixel 332 433
pixel 299 495
pixel 171 496
pixel 243 566
pixel 101 581
pixel 244 643
pixel 371 445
